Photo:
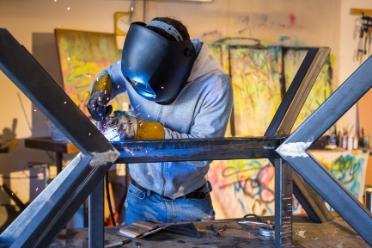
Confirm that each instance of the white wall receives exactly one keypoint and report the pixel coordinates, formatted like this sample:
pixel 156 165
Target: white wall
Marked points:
pixel 349 32
pixel 314 23
pixel 267 20
pixel 23 17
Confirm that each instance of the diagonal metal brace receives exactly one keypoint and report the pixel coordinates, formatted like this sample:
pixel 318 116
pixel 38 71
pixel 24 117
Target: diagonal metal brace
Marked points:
pixel 294 151
pixel 284 119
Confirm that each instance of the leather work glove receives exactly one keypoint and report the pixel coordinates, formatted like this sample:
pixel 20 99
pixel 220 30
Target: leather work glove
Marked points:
pixel 124 126
pixel 100 97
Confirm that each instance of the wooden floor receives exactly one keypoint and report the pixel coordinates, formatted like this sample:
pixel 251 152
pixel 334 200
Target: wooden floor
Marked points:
pixel 333 234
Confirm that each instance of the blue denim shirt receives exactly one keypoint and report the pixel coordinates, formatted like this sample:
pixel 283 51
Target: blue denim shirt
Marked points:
pixel 201 110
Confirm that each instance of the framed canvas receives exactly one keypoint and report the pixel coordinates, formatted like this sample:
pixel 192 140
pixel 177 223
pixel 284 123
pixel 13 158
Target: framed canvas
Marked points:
pixel 82 55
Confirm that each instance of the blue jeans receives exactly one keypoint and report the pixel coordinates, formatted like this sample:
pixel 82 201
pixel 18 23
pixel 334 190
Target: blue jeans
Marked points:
pixel 143 205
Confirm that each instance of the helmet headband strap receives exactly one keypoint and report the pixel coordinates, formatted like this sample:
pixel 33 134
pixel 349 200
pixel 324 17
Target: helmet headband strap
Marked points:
pixel 167 28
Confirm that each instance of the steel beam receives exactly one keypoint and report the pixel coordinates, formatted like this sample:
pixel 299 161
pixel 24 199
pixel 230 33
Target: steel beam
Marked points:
pixel 196 149
pixel 285 117
pixel 294 149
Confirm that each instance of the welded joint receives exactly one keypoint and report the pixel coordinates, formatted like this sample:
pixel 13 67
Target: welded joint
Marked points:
pixel 294 149
pixel 102 158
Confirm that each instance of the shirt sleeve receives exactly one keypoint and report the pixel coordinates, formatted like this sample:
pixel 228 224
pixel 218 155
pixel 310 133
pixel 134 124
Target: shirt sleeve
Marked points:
pixel 117 78
pixel 213 115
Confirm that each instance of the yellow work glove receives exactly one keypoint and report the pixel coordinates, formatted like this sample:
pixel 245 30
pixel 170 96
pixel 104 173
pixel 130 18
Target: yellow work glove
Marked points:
pixel 148 130
pixel 99 98
pixel 124 126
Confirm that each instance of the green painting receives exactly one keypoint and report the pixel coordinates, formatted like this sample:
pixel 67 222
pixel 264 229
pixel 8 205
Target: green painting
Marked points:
pixel 82 55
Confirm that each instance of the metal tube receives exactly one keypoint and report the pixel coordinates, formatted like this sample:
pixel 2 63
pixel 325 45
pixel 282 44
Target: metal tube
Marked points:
pixel 196 149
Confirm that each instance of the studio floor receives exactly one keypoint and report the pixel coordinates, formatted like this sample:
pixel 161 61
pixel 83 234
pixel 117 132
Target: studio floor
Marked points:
pixel 332 234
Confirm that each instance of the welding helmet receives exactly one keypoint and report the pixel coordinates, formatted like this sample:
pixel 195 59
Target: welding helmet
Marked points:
pixel 155 66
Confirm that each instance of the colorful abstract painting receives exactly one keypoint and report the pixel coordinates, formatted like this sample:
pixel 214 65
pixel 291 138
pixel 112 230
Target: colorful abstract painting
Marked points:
pixel 322 88
pixel 255 75
pixel 247 186
pixel 241 187
pixel 82 55
pixel 348 167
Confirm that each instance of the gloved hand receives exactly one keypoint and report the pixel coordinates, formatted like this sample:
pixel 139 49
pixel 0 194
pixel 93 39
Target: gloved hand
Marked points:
pixel 124 126
pixel 100 97
pixel 97 106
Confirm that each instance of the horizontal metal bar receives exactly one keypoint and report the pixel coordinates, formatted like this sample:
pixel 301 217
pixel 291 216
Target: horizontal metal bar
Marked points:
pixel 46 144
pixel 332 192
pixel 21 67
pixel 196 149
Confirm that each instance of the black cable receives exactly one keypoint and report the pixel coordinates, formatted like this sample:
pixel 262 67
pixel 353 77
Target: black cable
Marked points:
pixel 109 200
pixel 254 216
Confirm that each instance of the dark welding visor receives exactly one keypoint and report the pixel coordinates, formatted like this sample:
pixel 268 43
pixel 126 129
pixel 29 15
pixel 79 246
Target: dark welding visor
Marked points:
pixel 156 67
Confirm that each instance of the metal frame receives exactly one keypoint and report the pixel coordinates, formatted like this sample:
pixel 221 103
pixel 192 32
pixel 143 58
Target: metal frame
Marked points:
pixel 287 114
pixel 37 225
pixel 294 149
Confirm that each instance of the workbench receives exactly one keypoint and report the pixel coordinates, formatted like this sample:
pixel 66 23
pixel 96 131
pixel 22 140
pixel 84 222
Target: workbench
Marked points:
pixel 48 144
pixel 306 234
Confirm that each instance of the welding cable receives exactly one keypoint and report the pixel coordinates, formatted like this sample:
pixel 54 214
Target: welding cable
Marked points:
pixel 109 200
pixel 255 216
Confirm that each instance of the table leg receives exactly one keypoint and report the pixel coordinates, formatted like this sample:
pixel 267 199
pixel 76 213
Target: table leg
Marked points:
pixel 59 161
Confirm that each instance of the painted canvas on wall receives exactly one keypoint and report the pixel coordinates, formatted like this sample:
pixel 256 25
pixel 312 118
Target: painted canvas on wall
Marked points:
pixel 255 76
pixel 247 186
pixel 348 167
pixel 82 55
pixel 241 187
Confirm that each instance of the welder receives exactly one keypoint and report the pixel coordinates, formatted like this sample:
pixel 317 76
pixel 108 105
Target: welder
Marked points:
pixel 176 90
